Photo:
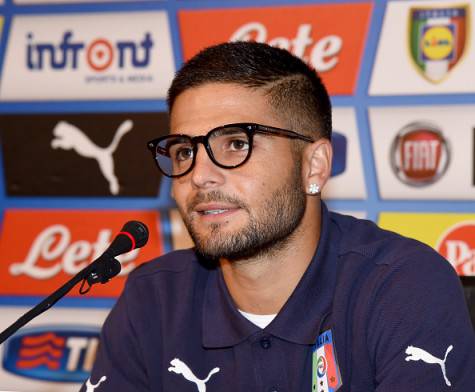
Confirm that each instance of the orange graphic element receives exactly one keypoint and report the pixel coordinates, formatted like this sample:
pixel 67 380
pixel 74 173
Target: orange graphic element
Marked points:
pixel 42 339
pixel 331 372
pixel 43 350
pixel 329 37
pixel 42 353
pixel 42 249
pixel 457 245
pixel 34 363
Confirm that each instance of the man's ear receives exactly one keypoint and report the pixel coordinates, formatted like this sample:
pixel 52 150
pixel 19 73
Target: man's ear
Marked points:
pixel 317 165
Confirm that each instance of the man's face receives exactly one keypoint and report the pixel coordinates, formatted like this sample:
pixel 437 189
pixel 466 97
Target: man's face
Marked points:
pixel 246 211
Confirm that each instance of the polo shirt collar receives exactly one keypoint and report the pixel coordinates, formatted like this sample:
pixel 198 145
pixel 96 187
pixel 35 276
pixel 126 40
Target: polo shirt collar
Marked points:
pixel 299 320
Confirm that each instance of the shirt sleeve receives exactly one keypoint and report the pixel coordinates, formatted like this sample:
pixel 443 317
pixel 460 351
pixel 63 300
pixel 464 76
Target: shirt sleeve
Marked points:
pixel 420 335
pixel 119 365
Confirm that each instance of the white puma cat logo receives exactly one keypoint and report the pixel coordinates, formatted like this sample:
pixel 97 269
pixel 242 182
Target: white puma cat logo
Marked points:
pixel 91 387
pixel 418 354
pixel 68 136
pixel 180 367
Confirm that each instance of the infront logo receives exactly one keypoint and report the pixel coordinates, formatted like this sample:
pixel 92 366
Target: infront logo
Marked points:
pixel 98 54
pixel 88 55
pixel 457 245
pixel 51 353
pixel 419 154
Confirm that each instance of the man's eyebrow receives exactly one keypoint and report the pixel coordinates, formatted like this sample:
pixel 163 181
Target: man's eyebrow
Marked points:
pixel 176 139
pixel 226 130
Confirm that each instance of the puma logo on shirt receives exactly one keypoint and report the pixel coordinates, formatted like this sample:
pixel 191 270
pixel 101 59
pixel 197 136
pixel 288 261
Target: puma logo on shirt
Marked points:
pixel 179 367
pixel 91 387
pixel 418 354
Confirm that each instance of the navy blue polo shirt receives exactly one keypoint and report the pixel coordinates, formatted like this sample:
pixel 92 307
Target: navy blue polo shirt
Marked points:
pixel 395 310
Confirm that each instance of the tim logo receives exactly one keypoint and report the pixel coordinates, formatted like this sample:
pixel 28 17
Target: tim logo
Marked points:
pixel 419 154
pixel 52 354
pixel 98 55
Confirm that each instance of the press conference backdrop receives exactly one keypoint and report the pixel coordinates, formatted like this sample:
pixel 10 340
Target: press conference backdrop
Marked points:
pixel 83 86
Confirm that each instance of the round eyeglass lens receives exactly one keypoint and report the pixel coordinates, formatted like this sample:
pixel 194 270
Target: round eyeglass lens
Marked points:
pixel 229 145
pixel 175 155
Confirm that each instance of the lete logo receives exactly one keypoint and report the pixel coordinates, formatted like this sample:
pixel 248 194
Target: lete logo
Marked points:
pixel 323 55
pixel 457 245
pixel 329 37
pixel 50 353
pixel 54 243
pixel 41 249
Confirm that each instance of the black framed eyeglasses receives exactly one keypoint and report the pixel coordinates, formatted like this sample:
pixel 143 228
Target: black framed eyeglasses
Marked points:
pixel 228 146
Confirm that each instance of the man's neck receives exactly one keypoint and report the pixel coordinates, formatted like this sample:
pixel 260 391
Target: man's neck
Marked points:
pixel 263 284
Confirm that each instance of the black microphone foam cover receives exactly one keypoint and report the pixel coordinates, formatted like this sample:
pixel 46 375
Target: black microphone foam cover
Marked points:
pixel 138 231
pixel 134 234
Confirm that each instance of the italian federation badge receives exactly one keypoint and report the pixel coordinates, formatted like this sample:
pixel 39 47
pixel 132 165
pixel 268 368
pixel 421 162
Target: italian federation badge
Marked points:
pixel 437 39
pixel 326 375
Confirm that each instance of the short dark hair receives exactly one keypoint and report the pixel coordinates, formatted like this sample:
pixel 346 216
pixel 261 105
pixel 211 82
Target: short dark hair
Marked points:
pixel 295 91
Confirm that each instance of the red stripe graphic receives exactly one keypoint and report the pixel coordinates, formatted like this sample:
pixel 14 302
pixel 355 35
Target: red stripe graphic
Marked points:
pixel 130 237
pixel 42 350
pixel 43 339
pixel 332 375
pixel 33 363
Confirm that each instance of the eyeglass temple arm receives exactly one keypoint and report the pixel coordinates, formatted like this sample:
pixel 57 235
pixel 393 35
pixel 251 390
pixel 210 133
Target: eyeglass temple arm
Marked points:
pixel 285 132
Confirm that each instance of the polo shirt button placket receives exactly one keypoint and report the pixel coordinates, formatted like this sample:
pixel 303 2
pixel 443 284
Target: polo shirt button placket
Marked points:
pixel 265 344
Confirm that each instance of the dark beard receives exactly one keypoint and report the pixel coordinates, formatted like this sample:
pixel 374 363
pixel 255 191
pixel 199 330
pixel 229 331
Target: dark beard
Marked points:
pixel 268 232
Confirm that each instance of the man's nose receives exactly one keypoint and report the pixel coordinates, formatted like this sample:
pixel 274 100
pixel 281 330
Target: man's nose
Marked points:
pixel 205 173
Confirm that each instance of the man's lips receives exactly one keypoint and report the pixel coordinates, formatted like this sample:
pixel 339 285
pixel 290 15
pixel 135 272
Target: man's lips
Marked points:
pixel 214 209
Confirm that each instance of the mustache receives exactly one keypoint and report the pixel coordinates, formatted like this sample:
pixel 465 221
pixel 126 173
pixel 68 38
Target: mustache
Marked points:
pixel 215 196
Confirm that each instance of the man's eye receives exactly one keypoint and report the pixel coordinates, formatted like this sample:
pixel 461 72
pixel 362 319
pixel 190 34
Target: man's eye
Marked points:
pixel 238 145
pixel 183 154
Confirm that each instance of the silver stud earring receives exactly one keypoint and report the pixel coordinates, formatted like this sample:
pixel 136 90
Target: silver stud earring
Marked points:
pixel 314 189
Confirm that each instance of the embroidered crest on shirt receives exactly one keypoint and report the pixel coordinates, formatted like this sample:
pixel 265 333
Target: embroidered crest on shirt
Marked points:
pixel 326 375
pixel 418 354
pixel 90 387
pixel 179 367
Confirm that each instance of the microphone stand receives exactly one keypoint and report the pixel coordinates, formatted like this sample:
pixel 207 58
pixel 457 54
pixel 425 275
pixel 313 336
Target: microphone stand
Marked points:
pixel 100 270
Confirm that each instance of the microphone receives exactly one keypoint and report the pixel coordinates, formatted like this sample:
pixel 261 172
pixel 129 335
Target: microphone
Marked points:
pixel 133 235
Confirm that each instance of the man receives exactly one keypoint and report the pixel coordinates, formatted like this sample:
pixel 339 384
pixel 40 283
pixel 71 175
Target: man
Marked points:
pixel 279 294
